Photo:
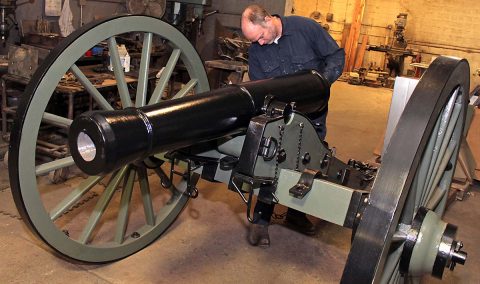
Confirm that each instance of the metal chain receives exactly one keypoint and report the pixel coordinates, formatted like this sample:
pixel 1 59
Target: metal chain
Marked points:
pixel 13 216
pixel 299 149
pixel 80 203
pixel 6 213
pixel 281 132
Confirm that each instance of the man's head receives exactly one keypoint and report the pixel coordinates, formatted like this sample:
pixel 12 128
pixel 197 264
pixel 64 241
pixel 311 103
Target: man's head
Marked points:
pixel 259 26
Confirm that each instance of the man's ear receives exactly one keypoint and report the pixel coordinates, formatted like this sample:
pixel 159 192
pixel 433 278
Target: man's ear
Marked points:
pixel 267 19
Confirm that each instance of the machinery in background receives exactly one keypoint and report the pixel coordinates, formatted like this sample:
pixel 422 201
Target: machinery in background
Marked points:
pixel 370 78
pixel 7 16
pixel 396 50
pixel 188 16
pixel 233 63
pixel 234 49
pixel 399 32
pixel 155 8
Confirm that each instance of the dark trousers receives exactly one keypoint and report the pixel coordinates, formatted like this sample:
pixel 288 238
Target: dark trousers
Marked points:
pixel 263 212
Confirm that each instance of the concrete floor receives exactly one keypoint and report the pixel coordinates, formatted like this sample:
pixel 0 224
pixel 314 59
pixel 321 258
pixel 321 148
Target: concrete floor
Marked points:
pixel 207 243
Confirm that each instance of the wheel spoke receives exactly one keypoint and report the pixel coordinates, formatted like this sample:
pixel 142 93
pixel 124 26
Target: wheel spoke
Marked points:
pixel 422 173
pixel 410 168
pixel 391 266
pixel 54 165
pixel 141 97
pixel 165 76
pixel 442 135
pixel 187 88
pixel 440 172
pixel 414 196
pixel 146 196
pixel 101 205
pixel 122 219
pixel 445 142
pixel 439 197
pixel 119 74
pixel 56 120
pixel 45 206
pixel 90 88
pixel 74 196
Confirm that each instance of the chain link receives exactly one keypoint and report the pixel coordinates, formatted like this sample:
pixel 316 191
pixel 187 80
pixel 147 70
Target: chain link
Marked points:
pixel 80 203
pixel 299 148
pixel 13 216
pixel 6 213
pixel 281 132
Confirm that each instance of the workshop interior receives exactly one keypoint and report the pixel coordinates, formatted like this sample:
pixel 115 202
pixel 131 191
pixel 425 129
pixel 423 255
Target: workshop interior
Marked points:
pixel 134 146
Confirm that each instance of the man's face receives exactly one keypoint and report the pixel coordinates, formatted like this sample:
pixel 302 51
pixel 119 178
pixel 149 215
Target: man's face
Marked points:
pixel 262 33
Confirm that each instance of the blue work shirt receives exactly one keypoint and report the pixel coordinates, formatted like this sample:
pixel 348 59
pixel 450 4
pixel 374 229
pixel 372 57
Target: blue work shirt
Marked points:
pixel 304 45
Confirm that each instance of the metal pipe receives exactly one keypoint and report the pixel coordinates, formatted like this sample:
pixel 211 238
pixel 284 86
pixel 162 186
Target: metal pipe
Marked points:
pixel 102 141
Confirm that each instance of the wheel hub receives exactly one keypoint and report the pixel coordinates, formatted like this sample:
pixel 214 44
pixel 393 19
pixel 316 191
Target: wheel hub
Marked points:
pixel 430 246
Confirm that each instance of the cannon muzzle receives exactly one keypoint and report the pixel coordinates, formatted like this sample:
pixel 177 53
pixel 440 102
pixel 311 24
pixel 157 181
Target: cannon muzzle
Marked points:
pixel 102 141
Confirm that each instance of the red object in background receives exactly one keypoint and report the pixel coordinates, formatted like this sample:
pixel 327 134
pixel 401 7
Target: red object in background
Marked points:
pixel 88 53
pixel 418 71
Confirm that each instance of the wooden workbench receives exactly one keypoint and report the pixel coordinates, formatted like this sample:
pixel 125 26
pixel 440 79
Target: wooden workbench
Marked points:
pixel 69 88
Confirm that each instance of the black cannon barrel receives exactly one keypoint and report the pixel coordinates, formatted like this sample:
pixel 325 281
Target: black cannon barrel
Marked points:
pixel 102 141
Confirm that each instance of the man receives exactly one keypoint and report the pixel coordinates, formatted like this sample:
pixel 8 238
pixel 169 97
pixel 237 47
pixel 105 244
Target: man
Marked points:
pixel 280 46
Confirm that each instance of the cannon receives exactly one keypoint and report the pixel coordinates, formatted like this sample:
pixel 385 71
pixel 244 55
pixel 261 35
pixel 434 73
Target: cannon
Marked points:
pixel 255 137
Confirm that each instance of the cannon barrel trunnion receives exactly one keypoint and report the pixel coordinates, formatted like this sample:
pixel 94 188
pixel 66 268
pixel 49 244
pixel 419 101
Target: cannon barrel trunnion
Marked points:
pixel 143 157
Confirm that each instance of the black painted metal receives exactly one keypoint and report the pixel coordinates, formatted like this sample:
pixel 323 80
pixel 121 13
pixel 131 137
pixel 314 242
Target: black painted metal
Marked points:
pixel 411 240
pixel 252 147
pixel 304 184
pixel 355 210
pixel 399 164
pixel 340 173
pixel 131 134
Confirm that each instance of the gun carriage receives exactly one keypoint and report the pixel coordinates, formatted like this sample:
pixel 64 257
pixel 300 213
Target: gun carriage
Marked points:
pixel 256 138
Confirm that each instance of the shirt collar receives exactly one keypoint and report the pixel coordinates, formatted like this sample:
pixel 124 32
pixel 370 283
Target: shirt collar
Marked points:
pixel 285 26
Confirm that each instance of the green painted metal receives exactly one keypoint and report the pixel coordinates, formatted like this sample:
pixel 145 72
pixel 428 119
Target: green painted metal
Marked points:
pixel 430 189
pixel 187 88
pixel 444 143
pixel 232 147
pixel 74 196
pixel 122 219
pixel 326 200
pixel 426 247
pixel 440 138
pixel 101 205
pixel 391 274
pixel 165 76
pixel 90 88
pixel 439 173
pixel 397 184
pixel 54 165
pixel 56 120
pixel 50 73
pixel 119 74
pixel 141 96
pixel 420 179
pixel 146 197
